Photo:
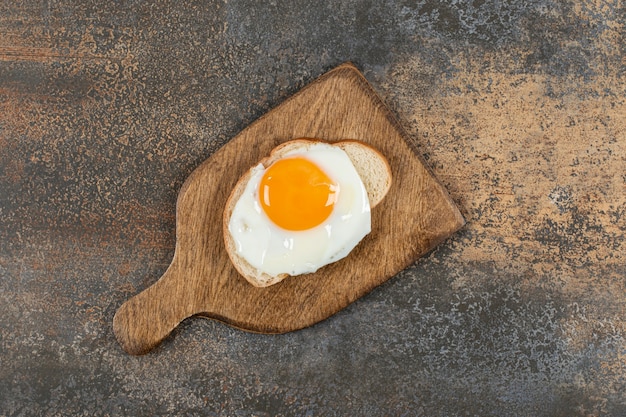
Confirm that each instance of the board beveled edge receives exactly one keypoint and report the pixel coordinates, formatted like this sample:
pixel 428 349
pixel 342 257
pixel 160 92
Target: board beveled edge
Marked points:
pixel 352 71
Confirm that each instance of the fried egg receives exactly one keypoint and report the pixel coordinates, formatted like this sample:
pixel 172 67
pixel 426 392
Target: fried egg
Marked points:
pixel 306 210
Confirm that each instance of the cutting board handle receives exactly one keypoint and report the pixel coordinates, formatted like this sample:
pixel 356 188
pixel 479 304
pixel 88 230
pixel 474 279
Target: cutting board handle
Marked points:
pixel 142 322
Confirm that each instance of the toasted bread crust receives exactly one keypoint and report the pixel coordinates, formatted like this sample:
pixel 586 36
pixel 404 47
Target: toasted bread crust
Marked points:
pixel 370 164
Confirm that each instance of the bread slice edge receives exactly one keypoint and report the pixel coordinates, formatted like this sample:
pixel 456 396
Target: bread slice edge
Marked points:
pixel 370 164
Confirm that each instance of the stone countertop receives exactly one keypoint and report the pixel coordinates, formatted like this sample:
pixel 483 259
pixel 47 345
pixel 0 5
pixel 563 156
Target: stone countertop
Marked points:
pixel 519 108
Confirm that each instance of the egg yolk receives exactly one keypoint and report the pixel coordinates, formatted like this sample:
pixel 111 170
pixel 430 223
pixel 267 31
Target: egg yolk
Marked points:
pixel 296 194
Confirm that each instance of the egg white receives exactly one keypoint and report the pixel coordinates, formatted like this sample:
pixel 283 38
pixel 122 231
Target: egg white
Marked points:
pixel 274 250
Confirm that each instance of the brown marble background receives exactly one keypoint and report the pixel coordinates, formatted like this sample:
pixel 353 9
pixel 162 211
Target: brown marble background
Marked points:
pixel 519 108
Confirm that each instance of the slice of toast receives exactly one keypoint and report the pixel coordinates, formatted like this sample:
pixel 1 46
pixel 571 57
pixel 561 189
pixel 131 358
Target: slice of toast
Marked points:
pixel 370 164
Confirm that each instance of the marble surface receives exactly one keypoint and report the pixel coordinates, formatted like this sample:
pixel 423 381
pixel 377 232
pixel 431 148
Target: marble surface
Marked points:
pixel 518 107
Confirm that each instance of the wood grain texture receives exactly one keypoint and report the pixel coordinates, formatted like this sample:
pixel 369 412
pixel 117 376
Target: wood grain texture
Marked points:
pixel 416 215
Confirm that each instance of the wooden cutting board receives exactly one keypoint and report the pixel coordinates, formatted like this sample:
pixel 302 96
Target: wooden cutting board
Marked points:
pixel 416 215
